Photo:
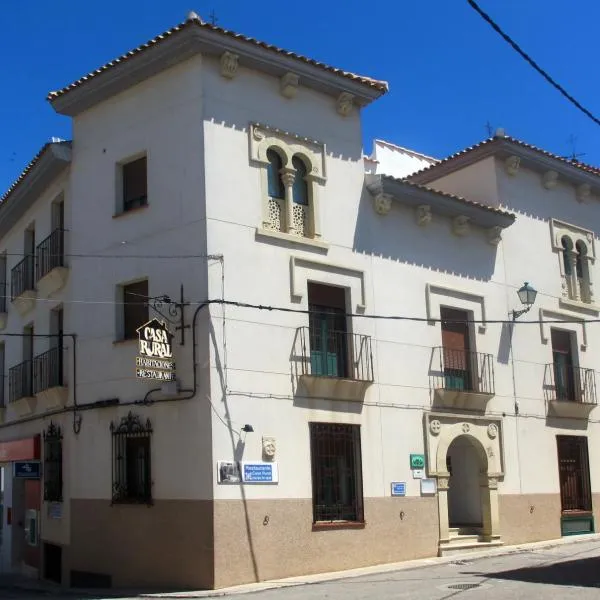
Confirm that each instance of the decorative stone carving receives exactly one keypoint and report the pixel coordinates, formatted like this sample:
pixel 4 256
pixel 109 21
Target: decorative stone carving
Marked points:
pixel 289 85
pixel 382 204
pixel 443 483
pixel 512 164
pixel 550 179
pixel 466 428
pixel 494 235
pixel 424 215
pixel 584 192
pixel 269 447
pixel 288 176
pixel 229 64
pixel 490 451
pixel 345 104
pixel 492 431
pixel 435 427
pixel 258 134
pixel 460 225
pixel 493 483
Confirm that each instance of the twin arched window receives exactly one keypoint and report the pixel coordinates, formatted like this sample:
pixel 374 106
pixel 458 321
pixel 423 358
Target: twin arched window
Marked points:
pixel 576 269
pixel 288 210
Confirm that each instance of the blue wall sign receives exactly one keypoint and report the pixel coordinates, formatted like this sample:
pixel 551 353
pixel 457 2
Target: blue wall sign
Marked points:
pixel 259 472
pixel 398 488
pixel 27 469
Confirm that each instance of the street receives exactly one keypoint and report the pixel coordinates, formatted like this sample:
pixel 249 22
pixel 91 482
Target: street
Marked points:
pixel 566 571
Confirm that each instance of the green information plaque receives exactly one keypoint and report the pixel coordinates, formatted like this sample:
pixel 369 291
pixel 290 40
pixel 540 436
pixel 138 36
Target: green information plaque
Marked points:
pixel 417 461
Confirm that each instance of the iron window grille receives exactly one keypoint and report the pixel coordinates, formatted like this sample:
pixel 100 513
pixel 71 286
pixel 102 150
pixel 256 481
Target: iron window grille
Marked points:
pixel 131 469
pixel 336 473
pixel 53 469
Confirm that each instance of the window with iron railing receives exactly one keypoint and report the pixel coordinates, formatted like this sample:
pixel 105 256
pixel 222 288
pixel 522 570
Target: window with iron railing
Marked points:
pixel 50 253
pixel 48 370
pixel 53 470
pixel 20 381
pixel 21 277
pixel 131 464
pixel 336 472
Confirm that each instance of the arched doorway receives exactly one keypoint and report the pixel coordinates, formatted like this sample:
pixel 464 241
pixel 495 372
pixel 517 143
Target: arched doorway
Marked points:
pixel 466 462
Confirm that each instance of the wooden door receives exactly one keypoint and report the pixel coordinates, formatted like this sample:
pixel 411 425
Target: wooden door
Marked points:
pixel 456 349
pixel 574 474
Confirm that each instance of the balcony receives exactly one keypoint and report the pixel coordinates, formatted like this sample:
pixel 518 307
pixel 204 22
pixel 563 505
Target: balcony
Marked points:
pixel 48 381
pixel 20 388
pixel 51 273
pixel 570 391
pixel 336 366
pixel 464 379
pixel 22 285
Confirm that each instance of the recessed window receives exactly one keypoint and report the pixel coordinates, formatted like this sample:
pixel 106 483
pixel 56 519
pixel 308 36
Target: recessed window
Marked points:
pixel 135 184
pixel 276 189
pixel 336 473
pixel 131 475
pixel 135 308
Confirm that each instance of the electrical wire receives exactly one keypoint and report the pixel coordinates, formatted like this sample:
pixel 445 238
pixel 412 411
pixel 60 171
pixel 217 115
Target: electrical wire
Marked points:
pixel 530 60
pixel 305 311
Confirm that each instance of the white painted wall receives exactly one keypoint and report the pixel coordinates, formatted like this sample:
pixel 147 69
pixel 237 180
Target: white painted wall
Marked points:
pixel 399 162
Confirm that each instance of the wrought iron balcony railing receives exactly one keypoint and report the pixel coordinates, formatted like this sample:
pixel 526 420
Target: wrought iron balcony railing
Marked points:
pixel 20 381
pixel 465 371
pixel 50 253
pixel 21 277
pixel 567 383
pixel 336 354
pixel 48 370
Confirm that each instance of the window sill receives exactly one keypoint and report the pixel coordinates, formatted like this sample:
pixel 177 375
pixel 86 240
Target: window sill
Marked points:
pixel 293 239
pixel 592 309
pixel 130 211
pixel 334 525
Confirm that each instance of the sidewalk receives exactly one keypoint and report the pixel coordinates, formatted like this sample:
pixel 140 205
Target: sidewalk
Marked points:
pixel 22 583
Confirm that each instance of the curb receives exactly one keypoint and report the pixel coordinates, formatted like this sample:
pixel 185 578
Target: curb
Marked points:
pixel 251 588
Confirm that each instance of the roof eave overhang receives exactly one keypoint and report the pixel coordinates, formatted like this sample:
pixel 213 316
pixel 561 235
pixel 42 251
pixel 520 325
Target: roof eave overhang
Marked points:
pixel 530 159
pixel 192 41
pixel 52 162
pixel 441 204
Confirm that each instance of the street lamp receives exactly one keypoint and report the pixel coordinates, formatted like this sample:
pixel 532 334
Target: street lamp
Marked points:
pixel 527 295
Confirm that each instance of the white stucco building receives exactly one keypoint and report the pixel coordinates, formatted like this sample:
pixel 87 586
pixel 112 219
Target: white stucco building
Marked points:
pixel 222 183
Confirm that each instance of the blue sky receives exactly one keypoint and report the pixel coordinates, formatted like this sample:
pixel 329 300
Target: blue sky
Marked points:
pixel 449 73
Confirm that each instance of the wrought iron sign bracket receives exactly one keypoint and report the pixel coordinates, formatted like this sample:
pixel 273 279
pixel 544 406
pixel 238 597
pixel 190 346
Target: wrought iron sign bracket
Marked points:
pixel 171 311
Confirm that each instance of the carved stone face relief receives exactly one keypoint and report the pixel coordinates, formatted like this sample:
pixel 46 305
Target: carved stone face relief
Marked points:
pixel 269 448
pixel 492 430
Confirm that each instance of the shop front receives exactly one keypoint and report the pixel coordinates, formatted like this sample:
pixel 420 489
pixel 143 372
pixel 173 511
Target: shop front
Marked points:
pixel 20 542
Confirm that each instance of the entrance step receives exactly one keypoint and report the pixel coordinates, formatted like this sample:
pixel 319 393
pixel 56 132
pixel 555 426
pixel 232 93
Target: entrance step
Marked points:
pixel 465 530
pixel 464 539
pixel 458 546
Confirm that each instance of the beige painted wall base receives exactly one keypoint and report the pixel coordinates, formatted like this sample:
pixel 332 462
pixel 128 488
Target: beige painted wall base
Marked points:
pixel 529 518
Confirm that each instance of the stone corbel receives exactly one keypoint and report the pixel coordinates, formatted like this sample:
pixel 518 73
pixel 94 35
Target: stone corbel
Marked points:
pixel 382 204
pixel 512 164
pixel 460 225
pixel 345 104
pixel 289 85
pixel 229 64
pixel 550 179
pixel 424 215
pixel 584 191
pixel 494 235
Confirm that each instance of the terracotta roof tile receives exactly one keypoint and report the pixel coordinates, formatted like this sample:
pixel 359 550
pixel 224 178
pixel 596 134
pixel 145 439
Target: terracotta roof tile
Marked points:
pixel 498 141
pixel 453 197
pixel 382 86
pixel 29 167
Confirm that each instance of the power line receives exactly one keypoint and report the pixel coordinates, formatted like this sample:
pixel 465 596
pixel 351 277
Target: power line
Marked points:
pixel 305 311
pixel 532 62
pixel 119 256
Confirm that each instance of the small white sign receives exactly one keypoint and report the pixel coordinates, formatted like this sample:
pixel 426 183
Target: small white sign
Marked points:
pixel 418 473
pixel 428 487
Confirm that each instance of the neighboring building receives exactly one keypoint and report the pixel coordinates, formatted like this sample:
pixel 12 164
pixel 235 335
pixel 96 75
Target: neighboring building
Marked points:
pixel 207 166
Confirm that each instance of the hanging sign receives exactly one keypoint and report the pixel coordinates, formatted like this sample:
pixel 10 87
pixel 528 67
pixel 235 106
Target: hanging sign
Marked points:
pixel 27 469
pixel 155 349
